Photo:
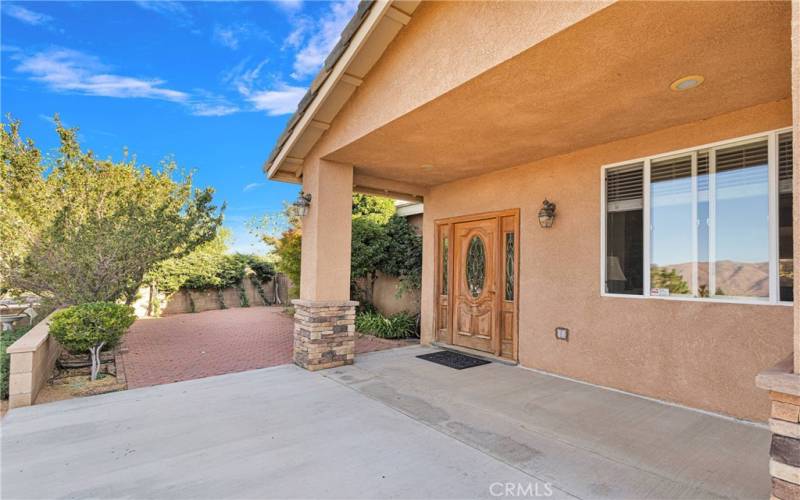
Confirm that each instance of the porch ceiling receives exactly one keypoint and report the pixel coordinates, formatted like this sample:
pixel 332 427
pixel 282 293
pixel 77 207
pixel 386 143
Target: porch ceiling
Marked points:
pixel 603 79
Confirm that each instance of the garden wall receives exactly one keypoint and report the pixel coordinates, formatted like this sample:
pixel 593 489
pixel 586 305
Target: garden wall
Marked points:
pixel 32 358
pixel 207 300
pixel 386 300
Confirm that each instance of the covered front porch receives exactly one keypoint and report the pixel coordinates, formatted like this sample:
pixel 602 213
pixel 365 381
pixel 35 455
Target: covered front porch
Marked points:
pixel 620 86
pixel 391 426
pixel 594 107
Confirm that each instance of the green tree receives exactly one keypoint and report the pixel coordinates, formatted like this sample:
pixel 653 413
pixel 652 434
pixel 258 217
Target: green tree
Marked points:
pixel 662 277
pixel 283 232
pixel 382 242
pixel 288 249
pixel 376 208
pixel 197 270
pixel 367 255
pixel 24 197
pixel 83 229
pixel 403 254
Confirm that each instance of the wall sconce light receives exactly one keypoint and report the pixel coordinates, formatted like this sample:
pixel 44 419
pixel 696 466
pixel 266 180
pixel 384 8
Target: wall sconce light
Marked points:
pixel 302 203
pixel 547 214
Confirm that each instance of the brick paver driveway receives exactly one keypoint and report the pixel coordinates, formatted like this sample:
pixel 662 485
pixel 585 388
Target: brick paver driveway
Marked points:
pixel 189 346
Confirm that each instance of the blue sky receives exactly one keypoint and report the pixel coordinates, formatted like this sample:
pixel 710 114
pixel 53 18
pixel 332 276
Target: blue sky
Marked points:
pixel 210 83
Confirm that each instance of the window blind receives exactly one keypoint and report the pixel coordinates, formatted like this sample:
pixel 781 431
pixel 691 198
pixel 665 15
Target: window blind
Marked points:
pixel 785 162
pixel 672 169
pixel 624 187
pixel 703 171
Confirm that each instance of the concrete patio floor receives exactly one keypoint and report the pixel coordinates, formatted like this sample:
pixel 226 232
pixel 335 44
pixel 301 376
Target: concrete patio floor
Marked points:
pixel 391 426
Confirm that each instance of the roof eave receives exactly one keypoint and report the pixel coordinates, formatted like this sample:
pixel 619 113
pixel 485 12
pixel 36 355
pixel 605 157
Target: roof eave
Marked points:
pixel 363 41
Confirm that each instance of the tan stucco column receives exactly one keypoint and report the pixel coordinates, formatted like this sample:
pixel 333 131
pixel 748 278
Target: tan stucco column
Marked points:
pixel 324 331
pixel 783 380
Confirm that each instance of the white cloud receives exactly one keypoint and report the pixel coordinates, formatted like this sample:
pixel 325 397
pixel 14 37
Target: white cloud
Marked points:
pixel 289 5
pixel 65 70
pixel 254 185
pixel 301 25
pixel 25 15
pixel 323 37
pixel 279 101
pixel 232 35
pixel 172 10
pixel 242 78
pixel 226 36
pixel 276 98
pixel 206 109
pixel 206 103
pixel 164 7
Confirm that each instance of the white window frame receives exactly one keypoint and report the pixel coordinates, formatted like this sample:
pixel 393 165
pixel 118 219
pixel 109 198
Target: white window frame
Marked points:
pixel 774 281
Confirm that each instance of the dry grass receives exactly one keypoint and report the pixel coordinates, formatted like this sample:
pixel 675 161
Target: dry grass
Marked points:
pixel 77 386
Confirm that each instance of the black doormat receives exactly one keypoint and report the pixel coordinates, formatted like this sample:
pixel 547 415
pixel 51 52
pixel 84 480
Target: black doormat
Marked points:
pixel 453 359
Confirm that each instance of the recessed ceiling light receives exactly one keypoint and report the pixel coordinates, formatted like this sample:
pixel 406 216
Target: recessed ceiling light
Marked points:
pixel 687 82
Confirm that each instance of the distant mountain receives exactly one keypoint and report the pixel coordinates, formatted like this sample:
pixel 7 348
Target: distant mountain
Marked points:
pixel 743 279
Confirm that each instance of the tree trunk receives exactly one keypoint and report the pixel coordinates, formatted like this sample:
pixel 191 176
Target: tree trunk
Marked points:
pixel 153 307
pixel 95 353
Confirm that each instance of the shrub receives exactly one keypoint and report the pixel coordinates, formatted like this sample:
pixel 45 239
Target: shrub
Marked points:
pixel 396 326
pixel 91 327
pixel 8 338
pixel 263 269
pixel 403 254
pixel 211 268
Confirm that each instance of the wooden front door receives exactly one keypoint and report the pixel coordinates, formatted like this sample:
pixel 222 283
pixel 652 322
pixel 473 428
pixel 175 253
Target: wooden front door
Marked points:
pixel 475 284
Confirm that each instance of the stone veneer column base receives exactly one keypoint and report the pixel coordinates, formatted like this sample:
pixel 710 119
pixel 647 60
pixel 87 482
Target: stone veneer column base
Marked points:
pixel 324 333
pixel 784 422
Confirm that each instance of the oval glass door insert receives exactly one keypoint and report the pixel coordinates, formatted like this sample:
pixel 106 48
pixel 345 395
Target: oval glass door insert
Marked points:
pixel 476 266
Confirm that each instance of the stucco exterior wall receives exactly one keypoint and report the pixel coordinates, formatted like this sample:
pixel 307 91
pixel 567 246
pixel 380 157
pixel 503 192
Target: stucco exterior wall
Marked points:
pixel 467 38
pixel 703 355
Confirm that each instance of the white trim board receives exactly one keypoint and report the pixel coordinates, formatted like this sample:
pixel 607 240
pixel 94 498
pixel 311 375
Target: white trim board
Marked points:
pixel 774 284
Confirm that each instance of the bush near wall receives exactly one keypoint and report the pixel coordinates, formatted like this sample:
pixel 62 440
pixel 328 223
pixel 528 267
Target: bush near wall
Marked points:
pixel 209 268
pixel 8 338
pixel 397 326
pixel 208 300
pixel 92 327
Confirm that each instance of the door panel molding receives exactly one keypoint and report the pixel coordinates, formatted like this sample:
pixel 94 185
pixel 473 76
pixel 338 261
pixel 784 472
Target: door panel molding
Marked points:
pixel 493 319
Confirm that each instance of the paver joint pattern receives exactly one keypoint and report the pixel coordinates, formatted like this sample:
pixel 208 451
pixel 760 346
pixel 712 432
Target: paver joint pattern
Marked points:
pixel 189 346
